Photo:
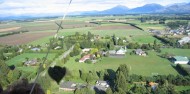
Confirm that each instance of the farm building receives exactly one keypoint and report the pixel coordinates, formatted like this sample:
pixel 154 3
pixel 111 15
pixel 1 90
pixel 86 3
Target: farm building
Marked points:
pixel 85 50
pixel 68 86
pixel 31 62
pixel 120 52
pixel 140 52
pixel 57 48
pixel 184 40
pixel 35 49
pixel 180 60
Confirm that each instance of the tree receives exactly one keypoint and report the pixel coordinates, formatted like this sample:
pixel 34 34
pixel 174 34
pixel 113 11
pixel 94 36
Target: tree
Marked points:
pixel 114 39
pixel 101 74
pixel 109 91
pixel 89 78
pixel 120 81
pixel 77 60
pixel 45 82
pixel 124 69
pixel 4 67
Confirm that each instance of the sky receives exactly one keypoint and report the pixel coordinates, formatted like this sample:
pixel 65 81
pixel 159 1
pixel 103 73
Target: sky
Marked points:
pixel 19 7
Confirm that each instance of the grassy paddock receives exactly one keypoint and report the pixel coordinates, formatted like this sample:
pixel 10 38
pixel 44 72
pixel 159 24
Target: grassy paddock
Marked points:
pixel 152 64
pixel 176 51
pixel 20 58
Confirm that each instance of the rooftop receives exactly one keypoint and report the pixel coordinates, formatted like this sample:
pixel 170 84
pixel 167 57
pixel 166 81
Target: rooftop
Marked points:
pixel 181 58
pixel 68 84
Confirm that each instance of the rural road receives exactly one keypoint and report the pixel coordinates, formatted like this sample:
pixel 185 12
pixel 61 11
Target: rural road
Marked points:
pixel 64 55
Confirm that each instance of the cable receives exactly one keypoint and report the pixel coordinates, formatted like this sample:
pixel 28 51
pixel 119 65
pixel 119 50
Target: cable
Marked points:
pixel 41 65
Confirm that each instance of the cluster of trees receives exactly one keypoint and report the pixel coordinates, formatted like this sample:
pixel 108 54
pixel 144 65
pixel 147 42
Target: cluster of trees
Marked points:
pixel 53 43
pixel 8 76
pixel 124 83
pixel 186 46
pixel 172 42
pixel 87 41
pixel 12 33
pixel 76 50
pixel 177 24
pixel 148 46
pixel 160 19
pixel 168 41
pixel 11 52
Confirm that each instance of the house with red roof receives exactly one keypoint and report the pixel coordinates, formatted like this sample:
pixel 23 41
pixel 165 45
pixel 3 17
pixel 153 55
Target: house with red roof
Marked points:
pixel 84 58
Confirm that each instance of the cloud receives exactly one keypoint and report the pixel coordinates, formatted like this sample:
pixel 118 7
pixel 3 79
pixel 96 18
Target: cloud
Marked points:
pixel 19 7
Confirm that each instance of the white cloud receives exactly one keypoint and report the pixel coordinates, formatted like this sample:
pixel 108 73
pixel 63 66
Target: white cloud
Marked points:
pixel 18 7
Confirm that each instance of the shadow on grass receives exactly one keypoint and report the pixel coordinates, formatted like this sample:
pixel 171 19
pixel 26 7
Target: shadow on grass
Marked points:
pixel 98 91
pixel 179 70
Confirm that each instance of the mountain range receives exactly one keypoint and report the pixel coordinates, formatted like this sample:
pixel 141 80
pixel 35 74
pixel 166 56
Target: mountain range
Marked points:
pixel 119 9
pixel 148 8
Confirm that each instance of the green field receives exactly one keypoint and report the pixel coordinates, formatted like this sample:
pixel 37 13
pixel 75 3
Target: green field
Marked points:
pixel 119 33
pixel 144 39
pixel 21 58
pixel 181 88
pixel 28 69
pixel 176 51
pixel 148 66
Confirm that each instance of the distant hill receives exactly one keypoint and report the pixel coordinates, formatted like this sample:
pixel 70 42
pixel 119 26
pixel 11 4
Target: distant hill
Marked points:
pixel 177 8
pixel 116 10
pixel 119 9
pixel 149 8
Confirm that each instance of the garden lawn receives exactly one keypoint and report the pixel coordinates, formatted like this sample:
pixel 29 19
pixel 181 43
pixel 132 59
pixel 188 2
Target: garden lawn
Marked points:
pixel 147 66
pixel 21 58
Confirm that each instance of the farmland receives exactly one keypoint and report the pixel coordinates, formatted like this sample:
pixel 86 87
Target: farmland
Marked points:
pixel 9 29
pixel 80 32
pixel 21 58
pixel 24 38
pixel 152 64
pixel 115 27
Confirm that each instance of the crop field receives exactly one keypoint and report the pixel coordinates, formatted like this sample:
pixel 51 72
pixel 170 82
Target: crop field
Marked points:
pixel 20 58
pixel 147 66
pixel 24 38
pixel 120 30
pixel 9 29
pixel 44 25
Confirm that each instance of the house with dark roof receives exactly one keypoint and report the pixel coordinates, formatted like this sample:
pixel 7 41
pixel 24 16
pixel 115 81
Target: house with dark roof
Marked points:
pixel 101 85
pixel 140 52
pixel 68 86
pixel 180 60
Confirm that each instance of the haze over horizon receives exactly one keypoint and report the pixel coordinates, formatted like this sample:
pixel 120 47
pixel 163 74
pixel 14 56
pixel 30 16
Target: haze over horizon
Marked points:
pixel 21 7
